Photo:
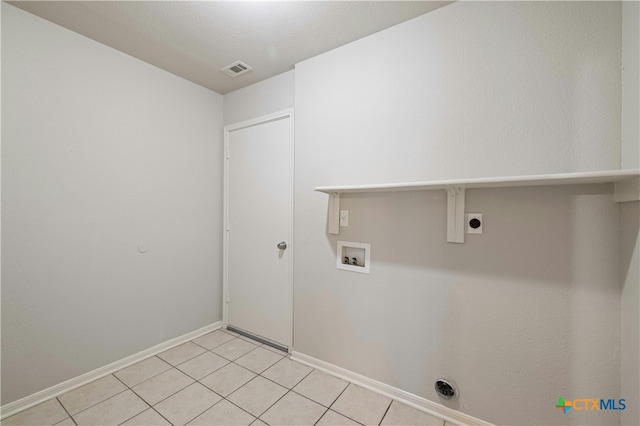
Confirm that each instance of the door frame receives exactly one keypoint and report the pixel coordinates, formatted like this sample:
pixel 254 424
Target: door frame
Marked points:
pixel 280 115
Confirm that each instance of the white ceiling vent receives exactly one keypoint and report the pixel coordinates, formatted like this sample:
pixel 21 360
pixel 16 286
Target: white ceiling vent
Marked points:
pixel 236 68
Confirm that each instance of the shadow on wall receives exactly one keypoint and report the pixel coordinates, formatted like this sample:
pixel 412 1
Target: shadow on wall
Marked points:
pixel 631 228
pixel 527 231
pixel 522 309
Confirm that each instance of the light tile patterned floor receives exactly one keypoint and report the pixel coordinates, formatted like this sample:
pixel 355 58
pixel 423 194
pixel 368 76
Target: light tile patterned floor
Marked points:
pixel 221 379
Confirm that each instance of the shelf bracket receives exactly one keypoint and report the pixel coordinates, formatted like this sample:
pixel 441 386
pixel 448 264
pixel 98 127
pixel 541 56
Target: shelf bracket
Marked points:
pixel 333 216
pixel 627 190
pixel 455 215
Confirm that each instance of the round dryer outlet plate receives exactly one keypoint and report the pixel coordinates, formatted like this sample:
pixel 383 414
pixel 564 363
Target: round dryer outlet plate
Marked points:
pixel 446 389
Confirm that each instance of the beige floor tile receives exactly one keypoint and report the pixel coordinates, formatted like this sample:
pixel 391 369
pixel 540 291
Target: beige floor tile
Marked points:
pixel 181 353
pixel 287 373
pixel 259 423
pixel 66 422
pixel 293 409
pixel 227 379
pixel 47 413
pixel 113 411
pixel 401 414
pixel 141 371
pixel 147 418
pixel 234 349
pixel 249 339
pixel 243 337
pixel 202 365
pixel 331 418
pixel 213 339
pixel 162 386
pixel 321 387
pixel 187 404
pixel 222 414
pixel 361 405
pixel 257 395
pixel 258 360
pixel 90 394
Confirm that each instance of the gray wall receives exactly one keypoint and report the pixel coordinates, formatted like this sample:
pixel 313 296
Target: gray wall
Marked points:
pixel 272 95
pixel 101 154
pixel 630 309
pixel 630 327
pixel 630 84
pixel 520 315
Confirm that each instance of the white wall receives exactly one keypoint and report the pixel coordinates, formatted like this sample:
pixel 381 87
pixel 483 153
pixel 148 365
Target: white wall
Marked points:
pixel 630 84
pixel 101 153
pixel 630 327
pixel 630 308
pixel 268 96
pixel 522 314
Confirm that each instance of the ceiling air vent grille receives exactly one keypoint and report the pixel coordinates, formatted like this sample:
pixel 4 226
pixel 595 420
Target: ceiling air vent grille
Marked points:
pixel 236 68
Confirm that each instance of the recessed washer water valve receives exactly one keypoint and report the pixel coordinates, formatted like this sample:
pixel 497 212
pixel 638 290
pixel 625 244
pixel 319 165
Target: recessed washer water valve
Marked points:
pixel 354 257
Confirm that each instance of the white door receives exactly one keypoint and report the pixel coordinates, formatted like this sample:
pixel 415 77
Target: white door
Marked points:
pixel 258 226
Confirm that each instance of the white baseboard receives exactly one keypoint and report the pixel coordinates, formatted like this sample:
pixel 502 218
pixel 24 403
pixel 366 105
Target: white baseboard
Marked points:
pixel 450 415
pixel 38 397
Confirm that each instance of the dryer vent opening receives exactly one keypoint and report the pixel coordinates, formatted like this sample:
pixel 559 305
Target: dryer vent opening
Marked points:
pixel 446 389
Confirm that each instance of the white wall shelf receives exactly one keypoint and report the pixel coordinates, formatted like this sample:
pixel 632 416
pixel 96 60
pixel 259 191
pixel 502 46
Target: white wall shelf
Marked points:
pixel 627 188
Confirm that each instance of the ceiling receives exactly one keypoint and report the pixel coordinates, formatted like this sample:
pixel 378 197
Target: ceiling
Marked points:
pixel 194 40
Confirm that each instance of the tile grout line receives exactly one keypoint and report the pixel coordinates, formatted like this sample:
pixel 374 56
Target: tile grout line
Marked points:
pixel 241 366
pixel 66 411
pixel 385 412
pixel 152 406
pixel 198 380
pixel 206 409
pixel 230 362
pixel 171 366
pixel 99 402
pixel 160 414
pixel 290 390
pixel 221 396
pixel 134 392
pixel 282 356
pixel 148 378
pixel 177 369
pixel 186 360
pixel 269 407
pixel 320 418
pixel 236 405
pixel 338 397
pixel 298 382
pixel 265 378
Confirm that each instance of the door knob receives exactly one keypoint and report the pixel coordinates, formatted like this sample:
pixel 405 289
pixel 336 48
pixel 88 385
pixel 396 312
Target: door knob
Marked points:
pixel 282 245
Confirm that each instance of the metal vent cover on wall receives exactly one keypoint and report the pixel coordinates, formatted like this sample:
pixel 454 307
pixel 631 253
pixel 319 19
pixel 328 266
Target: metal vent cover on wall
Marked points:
pixel 446 389
pixel 236 68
